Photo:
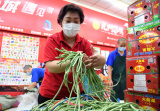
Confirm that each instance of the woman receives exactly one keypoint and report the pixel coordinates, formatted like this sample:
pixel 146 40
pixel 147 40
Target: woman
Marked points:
pixel 70 17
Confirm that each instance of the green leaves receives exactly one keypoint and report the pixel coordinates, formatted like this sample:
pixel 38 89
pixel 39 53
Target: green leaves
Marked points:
pixel 128 72
pixel 153 0
pixel 152 70
pixel 129 46
pixel 149 8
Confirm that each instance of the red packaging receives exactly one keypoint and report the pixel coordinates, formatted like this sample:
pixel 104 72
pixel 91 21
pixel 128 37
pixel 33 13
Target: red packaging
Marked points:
pixel 141 19
pixel 155 8
pixel 149 46
pixel 143 47
pixel 143 65
pixel 146 101
pixel 140 12
pixel 138 8
pixel 143 31
pixel 148 83
pixel 148 33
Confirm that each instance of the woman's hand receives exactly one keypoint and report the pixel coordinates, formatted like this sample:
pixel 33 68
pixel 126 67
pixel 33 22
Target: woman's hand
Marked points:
pixel 95 61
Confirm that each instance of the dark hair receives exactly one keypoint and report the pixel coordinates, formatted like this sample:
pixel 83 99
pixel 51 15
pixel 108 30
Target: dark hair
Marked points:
pixel 27 67
pixel 121 39
pixel 72 8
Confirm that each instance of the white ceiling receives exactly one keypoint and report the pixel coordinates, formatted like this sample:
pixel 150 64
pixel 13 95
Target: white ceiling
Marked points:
pixel 117 8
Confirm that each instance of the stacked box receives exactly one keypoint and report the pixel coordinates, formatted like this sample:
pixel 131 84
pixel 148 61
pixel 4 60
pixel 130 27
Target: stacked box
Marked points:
pixel 145 47
pixel 143 54
pixel 140 12
pixel 148 83
pixel 146 101
pixel 142 62
pixel 143 65
pixel 143 74
pixel 143 11
pixel 144 40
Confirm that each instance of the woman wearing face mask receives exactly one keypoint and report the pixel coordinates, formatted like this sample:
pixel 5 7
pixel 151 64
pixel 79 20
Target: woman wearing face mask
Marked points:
pixel 117 65
pixel 70 17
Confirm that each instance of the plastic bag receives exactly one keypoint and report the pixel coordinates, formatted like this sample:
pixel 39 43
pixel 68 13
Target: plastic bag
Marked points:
pixel 6 101
pixel 27 101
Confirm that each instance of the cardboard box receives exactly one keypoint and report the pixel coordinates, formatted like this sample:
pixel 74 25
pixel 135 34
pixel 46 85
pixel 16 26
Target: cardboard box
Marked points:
pixel 148 83
pixel 143 11
pixel 143 47
pixel 144 39
pixel 143 31
pixel 138 8
pixel 143 65
pixel 149 46
pixel 146 101
pixel 141 19
pixel 148 33
pixel 140 12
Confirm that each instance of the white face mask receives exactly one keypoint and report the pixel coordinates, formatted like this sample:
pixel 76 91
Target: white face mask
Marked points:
pixel 71 29
pixel 29 73
pixel 121 48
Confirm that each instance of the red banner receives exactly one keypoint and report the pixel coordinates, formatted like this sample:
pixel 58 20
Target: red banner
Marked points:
pixel 40 18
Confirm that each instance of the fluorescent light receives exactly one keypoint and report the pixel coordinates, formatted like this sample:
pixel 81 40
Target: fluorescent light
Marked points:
pixel 119 3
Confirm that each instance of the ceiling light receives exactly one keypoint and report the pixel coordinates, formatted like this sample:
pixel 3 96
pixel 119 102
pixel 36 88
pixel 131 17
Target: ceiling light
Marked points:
pixel 119 3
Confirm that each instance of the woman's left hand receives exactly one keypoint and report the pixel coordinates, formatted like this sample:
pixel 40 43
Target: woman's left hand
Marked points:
pixel 95 61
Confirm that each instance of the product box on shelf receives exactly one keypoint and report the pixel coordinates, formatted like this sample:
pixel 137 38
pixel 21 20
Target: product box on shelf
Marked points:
pixel 138 8
pixel 146 101
pixel 140 12
pixel 147 83
pixel 149 46
pixel 143 31
pixel 148 33
pixel 144 39
pixel 141 19
pixel 143 65
pixel 143 47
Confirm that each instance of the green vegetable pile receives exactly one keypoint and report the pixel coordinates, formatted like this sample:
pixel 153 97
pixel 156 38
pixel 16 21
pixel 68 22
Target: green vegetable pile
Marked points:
pixel 94 101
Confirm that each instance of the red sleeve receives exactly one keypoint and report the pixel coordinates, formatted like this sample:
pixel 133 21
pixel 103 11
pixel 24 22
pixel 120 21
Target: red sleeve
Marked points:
pixel 49 50
pixel 87 48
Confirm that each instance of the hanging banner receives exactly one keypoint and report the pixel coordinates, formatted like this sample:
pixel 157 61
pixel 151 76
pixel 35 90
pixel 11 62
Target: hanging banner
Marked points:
pixel 39 17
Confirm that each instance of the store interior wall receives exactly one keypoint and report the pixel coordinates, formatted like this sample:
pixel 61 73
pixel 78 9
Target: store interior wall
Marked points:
pixel 101 30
